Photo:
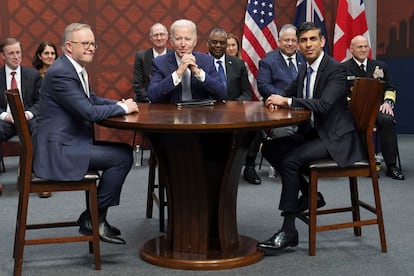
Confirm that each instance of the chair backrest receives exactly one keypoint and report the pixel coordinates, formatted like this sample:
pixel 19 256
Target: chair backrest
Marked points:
pixel 366 97
pixel 22 128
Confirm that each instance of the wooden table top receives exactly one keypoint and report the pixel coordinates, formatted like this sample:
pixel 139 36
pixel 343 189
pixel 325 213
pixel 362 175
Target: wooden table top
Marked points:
pixel 232 115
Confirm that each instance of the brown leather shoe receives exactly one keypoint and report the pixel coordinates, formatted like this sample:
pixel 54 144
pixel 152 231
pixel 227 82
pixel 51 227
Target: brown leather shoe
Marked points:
pixel 44 194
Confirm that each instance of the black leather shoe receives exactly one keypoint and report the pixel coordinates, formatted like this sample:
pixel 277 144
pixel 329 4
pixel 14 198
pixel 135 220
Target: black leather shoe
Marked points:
pixel 304 202
pixel 277 242
pixel 395 173
pixel 106 232
pixel 85 215
pixel 250 175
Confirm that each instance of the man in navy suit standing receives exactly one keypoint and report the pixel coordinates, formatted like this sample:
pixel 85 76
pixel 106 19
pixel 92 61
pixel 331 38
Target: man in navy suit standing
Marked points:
pixel 275 73
pixel 184 75
pixel 26 79
pixel 330 132
pixel 279 68
pixel 158 36
pixel 64 148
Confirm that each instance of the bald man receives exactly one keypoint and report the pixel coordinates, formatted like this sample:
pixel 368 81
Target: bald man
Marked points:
pixel 361 66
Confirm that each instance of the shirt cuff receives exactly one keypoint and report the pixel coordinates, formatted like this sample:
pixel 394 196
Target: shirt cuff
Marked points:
pixel 176 78
pixel 30 114
pixel 124 106
pixel 289 102
pixel 202 76
pixel 3 115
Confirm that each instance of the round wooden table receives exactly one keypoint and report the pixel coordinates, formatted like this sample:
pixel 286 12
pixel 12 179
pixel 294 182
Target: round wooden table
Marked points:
pixel 201 151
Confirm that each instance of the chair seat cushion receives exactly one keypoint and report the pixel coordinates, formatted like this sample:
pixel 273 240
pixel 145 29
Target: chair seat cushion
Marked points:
pixel 329 164
pixel 90 175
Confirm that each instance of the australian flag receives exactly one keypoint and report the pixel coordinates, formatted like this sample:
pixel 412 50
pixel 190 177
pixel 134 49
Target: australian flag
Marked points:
pixel 311 11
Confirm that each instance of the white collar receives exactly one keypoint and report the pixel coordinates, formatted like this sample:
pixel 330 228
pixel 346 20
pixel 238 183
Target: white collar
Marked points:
pixel 8 70
pixel 77 66
pixel 316 63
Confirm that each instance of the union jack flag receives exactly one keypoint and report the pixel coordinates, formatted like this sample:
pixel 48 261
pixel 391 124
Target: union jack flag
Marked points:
pixel 311 11
pixel 350 22
pixel 259 36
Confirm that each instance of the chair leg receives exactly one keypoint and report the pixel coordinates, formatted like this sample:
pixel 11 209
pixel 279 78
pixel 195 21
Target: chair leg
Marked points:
pixel 356 215
pixel 151 183
pixel 380 219
pixel 398 159
pixel 93 203
pixel 19 240
pixel 2 159
pixel 161 197
pixel 313 191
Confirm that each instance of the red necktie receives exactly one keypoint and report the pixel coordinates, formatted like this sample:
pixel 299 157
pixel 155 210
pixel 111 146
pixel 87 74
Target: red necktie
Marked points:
pixel 13 84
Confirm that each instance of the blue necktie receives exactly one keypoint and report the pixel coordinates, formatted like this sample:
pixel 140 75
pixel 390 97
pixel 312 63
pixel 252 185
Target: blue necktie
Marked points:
pixel 292 67
pixel 221 73
pixel 309 71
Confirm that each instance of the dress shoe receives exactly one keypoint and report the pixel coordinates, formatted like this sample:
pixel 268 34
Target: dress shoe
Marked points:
pixel 395 173
pixel 250 175
pixel 278 241
pixel 107 233
pixel 304 202
pixel 44 194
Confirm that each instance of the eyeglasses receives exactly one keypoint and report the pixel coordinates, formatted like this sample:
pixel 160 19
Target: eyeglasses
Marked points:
pixel 87 44
pixel 161 35
pixel 287 40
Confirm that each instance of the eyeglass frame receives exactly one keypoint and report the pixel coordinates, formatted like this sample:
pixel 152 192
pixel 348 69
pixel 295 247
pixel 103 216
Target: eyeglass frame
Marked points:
pixel 86 44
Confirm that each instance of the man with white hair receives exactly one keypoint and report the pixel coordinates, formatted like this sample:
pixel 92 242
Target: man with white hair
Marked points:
pixel 184 75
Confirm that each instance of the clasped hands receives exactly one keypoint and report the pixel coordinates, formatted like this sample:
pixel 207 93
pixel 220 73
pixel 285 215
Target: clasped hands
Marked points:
pixel 275 101
pixel 131 105
pixel 188 61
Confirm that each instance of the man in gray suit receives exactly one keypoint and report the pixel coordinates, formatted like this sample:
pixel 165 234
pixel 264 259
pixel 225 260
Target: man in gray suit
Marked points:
pixel 26 79
pixel 158 36
pixel 64 148
pixel 330 132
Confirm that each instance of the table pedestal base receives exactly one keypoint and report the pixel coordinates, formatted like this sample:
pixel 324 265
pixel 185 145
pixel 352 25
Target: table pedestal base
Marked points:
pixel 155 252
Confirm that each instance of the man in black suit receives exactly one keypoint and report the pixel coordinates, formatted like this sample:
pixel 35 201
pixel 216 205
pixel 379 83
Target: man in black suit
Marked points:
pixel 361 66
pixel 26 79
pixel 158 36
pixel 238 89
pixel 330 132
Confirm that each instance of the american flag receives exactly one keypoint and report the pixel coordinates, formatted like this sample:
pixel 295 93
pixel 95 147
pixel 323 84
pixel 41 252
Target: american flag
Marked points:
pixel 350 21
pixel 259 36
pixel 311 11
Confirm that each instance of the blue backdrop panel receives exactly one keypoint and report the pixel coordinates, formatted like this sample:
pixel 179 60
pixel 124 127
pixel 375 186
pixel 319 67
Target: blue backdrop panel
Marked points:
pixel 402 74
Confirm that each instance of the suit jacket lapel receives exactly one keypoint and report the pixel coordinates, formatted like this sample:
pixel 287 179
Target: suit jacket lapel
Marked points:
pixel 149 55
pixel 301 81
pixel 229 68
pixel 321 68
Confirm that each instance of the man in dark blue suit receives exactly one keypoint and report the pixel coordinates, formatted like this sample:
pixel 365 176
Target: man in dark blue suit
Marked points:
pixel 27 80
pixel 158 36
pixel 184 75
pixel 330 132
pixel 64 148
pixel 279 68
pixel 274 74
pixel 234 74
